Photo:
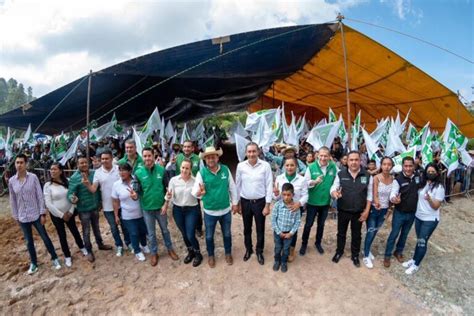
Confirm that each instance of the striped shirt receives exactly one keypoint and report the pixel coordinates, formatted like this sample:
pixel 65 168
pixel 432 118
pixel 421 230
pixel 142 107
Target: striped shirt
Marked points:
pixel 26 198
pixel 284 220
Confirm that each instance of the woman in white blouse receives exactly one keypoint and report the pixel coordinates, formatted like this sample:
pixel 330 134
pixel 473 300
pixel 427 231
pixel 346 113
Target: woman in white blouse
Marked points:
pixel 61 210
pixel 427 214
pixel 185 210
pixel 300 197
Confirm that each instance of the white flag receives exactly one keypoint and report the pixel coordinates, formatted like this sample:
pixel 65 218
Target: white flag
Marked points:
pixel 240 144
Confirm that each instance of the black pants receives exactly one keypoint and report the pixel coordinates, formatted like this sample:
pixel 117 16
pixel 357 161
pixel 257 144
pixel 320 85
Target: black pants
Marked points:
pixel 59 223
pixel 199 219
pixel 312 211
pixel 88 219
pixel 343 220
pixel 253 209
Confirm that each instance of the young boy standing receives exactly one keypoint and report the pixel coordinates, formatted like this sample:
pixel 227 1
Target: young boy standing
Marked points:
pixel 285 223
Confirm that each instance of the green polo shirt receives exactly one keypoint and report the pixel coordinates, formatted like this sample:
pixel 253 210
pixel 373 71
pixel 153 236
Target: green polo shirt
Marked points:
pixel 194 160
pixel 152 192
pixel 319 195
pixel 137 163
pixel 217 188
pixel 87 201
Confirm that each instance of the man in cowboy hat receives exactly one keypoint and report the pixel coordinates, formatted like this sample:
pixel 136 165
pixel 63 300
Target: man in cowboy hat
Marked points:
pixel 216 187
pixel 286 152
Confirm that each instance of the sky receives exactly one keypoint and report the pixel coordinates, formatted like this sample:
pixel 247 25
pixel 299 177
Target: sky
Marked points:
pixel 46 44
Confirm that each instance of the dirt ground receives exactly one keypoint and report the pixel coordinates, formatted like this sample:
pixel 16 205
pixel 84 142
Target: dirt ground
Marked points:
pixel 313 284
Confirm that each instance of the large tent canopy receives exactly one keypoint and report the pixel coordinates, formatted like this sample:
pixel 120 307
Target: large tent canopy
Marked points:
pixel 300 65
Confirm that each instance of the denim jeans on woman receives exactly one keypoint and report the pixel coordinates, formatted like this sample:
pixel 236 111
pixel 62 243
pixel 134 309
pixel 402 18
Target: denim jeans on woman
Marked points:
pixel 28 234
pixel 186 219
pixel 225 221
pixel 136 229
pixel 374 222
pixel 110 217
pixel 424 230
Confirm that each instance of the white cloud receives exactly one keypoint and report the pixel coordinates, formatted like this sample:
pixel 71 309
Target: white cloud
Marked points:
pixel 49 43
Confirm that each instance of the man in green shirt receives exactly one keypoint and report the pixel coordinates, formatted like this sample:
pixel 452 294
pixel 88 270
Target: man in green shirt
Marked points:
pixel 216 187
pixel 320 176
pixel 87 205
pixel 152 190
pixel 131 156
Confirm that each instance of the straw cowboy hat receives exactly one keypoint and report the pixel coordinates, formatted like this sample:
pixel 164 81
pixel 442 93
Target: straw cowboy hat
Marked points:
pixel 289 148
pixel 210 151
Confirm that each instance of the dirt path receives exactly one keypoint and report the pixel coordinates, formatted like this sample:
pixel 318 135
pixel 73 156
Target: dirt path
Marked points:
pixel 312 285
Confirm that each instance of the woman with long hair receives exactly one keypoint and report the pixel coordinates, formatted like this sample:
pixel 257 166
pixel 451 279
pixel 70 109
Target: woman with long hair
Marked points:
pixel 381 201
pixel 61 210
pixel 427 214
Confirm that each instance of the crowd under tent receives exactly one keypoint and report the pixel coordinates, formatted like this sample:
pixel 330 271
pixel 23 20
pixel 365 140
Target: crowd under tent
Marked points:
pixel 303 66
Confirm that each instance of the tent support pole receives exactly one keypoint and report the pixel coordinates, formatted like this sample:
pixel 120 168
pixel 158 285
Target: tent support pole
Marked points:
pixel 348 101
pixel 88 114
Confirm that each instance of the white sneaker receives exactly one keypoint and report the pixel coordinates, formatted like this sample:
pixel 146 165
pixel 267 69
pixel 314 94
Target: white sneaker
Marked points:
pixel 412 269
pixel 119 252
pixel 368 262
pixel 84 251
pixel 56 264
pixel 140 256
pixel 33 269
pixel 371 256
pixel 145 249
pixel 408 263
pixel 68 262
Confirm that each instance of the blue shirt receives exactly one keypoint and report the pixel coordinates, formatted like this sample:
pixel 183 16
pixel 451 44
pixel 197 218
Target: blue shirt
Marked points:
pixel 284 220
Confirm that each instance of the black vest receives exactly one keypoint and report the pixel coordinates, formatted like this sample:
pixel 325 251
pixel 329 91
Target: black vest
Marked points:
pixel 408 192
pixel 354 191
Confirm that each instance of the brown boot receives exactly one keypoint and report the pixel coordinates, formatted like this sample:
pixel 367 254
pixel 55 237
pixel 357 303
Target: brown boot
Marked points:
pixel 292 255
pixel 212 262
pixel 399 257
pixel 386 262
pixel 173 255
pixel 154 260
pixel 90 257
pixel 229 260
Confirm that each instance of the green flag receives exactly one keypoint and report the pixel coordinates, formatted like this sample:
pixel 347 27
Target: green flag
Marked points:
pixel 118 128
pixel 453 134
pixel 332 116
pixel 411 152
pixel 427 151
pixel 449 157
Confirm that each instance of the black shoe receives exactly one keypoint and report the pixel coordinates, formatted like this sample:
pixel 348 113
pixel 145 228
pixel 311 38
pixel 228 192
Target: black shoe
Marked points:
pixel 189 257
pixel 303 249
pixel 248 254
pixel 284 267
pixel 319 248
pixel 197 259
pixel 276 266
pixel 260 258
pixel 336 257
pixel 356 261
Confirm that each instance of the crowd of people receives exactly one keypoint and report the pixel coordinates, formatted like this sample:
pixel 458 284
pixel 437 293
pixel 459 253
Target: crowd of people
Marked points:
pixel 136 190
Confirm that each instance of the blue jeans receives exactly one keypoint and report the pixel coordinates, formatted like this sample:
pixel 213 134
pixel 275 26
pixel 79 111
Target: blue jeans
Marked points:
pixel 150 218
pixel 401 225
pixel 423 229
pixel 186 219
pixel 30 244
pixel 374 222
pixel 137 231
pixel 282 248
pixel 225 221
pixel 110 217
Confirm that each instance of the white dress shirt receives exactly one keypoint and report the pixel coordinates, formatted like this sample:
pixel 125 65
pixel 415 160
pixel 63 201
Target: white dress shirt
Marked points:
pixel 300 186
pixel 254 182
pixel 181 191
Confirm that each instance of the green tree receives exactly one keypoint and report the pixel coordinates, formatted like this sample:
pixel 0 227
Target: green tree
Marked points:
pixel 3 92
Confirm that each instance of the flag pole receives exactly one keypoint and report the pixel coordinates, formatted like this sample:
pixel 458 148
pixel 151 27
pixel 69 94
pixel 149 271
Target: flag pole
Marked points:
pixel 340 17
pixel 88 113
